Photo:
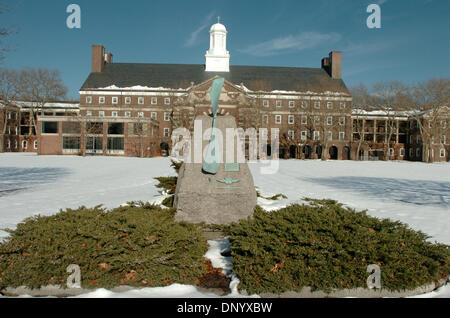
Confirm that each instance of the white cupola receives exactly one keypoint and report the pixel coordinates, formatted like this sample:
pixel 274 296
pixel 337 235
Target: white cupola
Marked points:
pixel 217 57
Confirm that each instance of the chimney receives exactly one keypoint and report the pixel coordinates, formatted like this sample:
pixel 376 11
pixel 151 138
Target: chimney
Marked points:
pixel 98 58
pixel 336 64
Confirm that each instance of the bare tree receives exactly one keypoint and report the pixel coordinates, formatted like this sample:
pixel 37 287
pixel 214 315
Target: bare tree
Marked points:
pixel 429 107
pixel 361 101
pixel 390 97
pixel 8 94
pixel 39 87
pixel 5 31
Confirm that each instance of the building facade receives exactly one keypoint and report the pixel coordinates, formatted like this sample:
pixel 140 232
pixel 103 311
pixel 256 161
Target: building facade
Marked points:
pixel 131 109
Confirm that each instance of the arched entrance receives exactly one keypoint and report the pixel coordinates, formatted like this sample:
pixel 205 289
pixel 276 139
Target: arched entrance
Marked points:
pixel 292 152
pixel 333 153
pixel 307 152
pixel 319 151
pixel 164 149
pixel 346 153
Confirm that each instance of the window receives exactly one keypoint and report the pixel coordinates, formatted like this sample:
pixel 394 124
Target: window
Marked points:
pixel 341 136
pixel 291 104
pixel 94 129
pixel 442 153
pixel 101 99
pixel 303 135
pixel 316 135
pixel 24 144
pixel 140 100
pixel 93 144
pixel 391 152
pixel 141 114
pixel 402 152
pixel 114 114
pixel 304 120
pixel 88 113
pixel 342 121
pixel 71 128
pixel 291 119
pixel 49 127
pixel 71 143
pixel 137 129
pixel 329 120
pixel 115 128
pixel 278 103
pixel 154 115
pixel 101 113
pixel 88 99
pixel 115 143
pixel 167 101
pixel 342 105
pixel 35 144
pixel 166 116
pixel 115 100
pixel 330 136
pixel 291 134
pixel 265 103
pixel 127 114
pixel 304 104
pixel 329 105
pixel 154 100
pixel 127 100
pixel 277 119
pixel 316 105
pixel 166 132
pixel 265 119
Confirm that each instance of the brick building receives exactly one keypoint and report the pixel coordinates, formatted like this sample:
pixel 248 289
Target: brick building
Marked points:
pixel 131 109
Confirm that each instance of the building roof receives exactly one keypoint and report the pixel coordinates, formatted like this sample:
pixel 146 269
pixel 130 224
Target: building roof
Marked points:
pixel 175 76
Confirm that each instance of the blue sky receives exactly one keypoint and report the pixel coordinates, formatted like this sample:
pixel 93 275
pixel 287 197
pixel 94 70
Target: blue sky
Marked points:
pixel 413 43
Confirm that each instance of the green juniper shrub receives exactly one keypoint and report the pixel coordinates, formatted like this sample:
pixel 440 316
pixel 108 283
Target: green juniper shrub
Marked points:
pixel 326 246
pixel 273 198
pixel 169 184
pixel 137 245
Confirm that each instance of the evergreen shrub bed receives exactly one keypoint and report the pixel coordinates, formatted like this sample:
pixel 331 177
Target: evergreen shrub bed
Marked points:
pixel 137 245
pixel 326 246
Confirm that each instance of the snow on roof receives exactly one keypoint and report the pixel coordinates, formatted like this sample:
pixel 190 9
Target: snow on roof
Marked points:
pixel 140 88
pixel 25 104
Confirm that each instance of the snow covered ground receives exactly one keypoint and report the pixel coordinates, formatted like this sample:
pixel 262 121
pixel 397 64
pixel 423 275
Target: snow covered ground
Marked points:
pixel 415 193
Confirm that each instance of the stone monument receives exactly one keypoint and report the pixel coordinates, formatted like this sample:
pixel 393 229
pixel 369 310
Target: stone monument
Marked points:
pixel 215 191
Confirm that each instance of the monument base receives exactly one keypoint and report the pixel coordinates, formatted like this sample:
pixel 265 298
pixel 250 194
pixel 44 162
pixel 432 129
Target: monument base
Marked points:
pixel 200 197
